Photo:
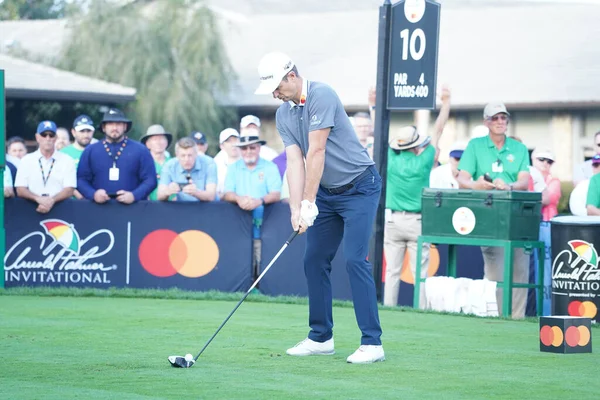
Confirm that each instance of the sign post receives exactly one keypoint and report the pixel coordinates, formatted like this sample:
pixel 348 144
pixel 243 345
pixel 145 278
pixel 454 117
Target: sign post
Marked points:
pixel 407 58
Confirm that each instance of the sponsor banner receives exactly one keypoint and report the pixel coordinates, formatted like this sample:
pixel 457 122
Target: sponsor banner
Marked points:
pixel 62 249
pixel 145 245
pixel 575 266
pixel 195 246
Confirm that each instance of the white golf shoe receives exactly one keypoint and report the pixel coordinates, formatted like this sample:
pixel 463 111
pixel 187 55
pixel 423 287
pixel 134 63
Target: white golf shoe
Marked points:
pixel 367 354
pixel 309 347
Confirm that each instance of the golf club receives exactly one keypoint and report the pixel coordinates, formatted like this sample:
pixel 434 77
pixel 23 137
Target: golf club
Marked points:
pixel 188 361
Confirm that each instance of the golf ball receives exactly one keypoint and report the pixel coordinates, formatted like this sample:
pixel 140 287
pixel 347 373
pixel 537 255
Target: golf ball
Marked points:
pixel 189 357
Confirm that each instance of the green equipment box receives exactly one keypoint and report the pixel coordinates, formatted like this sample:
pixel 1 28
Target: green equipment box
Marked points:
pixel 490 214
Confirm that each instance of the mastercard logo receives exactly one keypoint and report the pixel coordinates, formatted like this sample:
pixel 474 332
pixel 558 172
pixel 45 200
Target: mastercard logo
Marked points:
pixel 165 253
pixel 575 336
pixel 582 309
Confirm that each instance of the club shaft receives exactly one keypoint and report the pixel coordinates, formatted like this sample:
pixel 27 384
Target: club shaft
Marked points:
pixel 286 244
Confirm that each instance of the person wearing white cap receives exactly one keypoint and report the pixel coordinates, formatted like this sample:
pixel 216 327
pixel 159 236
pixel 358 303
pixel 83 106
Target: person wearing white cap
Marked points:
pixel 229 154
pixel 542 160
pixel 505 162
pixel 82 131
pixel 334 193
pixel 444 176
pixel 250 126
pixel 411 157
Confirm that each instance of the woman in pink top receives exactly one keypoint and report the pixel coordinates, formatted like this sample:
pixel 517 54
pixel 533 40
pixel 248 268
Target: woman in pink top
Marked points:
pixel 542 160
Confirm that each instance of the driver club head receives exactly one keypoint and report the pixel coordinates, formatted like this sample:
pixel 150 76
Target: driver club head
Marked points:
pixel 180 362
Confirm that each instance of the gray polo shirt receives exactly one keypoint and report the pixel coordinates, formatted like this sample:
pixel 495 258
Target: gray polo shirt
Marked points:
pixel 345 157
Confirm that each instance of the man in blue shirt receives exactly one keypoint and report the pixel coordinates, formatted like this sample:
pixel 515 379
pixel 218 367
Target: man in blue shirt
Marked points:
pixel 335 189
pixel 116 167
pixel 190 176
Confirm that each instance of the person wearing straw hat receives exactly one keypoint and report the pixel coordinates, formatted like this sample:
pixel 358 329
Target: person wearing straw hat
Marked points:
pixel 116 167
pixel 334 193
pixel 411 158
pixel 157 140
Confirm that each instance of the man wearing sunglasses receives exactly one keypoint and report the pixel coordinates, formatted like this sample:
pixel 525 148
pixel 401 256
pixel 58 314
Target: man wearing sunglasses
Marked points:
pixel 46 176
pixel 505 164
pixel 585 170
pixel 593 194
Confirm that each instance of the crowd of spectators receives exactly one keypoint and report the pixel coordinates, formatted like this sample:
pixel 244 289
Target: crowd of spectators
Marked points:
pixel 249 174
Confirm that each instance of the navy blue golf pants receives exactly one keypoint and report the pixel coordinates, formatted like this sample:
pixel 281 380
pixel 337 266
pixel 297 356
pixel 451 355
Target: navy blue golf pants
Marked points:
pixel 346 217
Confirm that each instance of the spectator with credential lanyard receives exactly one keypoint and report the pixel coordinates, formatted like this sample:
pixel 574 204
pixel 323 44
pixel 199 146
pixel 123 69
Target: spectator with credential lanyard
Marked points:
pixel 334 193
pixel 46 176
pixel 116 167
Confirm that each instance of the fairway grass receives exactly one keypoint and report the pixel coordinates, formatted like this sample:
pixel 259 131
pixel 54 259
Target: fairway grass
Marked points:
pixel 116 347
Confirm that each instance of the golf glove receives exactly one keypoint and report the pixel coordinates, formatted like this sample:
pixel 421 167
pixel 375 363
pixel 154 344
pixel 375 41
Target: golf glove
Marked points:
pixel 308 212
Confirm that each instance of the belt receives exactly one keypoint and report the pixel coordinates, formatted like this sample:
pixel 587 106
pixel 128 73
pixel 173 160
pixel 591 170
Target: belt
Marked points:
pixel 348 186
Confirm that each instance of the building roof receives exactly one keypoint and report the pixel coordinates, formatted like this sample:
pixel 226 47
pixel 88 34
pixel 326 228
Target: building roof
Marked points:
pixel 527 55
pixel 28 80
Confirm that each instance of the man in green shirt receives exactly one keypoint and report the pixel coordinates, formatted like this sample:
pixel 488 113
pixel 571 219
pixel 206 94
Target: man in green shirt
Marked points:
pixel 82 131
pixel 505 162
pixel 593 195
pixel 411 158
pixel 157 140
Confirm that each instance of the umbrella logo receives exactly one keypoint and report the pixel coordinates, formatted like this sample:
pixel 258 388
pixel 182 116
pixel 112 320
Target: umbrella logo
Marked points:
pixel 585 251
pixel 63 234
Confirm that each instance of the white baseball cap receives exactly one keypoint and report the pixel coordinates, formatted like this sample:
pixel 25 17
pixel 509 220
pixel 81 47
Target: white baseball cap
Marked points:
pixel 543 153
pixel 227 133
pixel 249 119
pixel 271 70
pixel 494 108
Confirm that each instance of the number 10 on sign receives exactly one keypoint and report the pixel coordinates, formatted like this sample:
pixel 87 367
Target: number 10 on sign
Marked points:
pixel 414 41
pixel 409 41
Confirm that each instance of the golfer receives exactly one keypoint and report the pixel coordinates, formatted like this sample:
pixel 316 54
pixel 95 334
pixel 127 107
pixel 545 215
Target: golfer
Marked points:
pixel 334 191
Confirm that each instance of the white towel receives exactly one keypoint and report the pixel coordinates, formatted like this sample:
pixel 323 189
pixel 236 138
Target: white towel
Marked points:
pixel 465 295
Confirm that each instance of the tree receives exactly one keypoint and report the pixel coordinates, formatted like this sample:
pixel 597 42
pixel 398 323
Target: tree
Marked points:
pixel 32 9
pixel 169 50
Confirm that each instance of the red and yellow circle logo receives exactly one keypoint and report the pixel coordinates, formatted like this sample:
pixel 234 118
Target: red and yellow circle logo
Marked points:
pixel 575 336
pixel 164 253
pixel 582 309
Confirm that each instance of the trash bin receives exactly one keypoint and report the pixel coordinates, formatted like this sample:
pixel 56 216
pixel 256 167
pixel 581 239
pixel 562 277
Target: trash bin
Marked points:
pixel 576 266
